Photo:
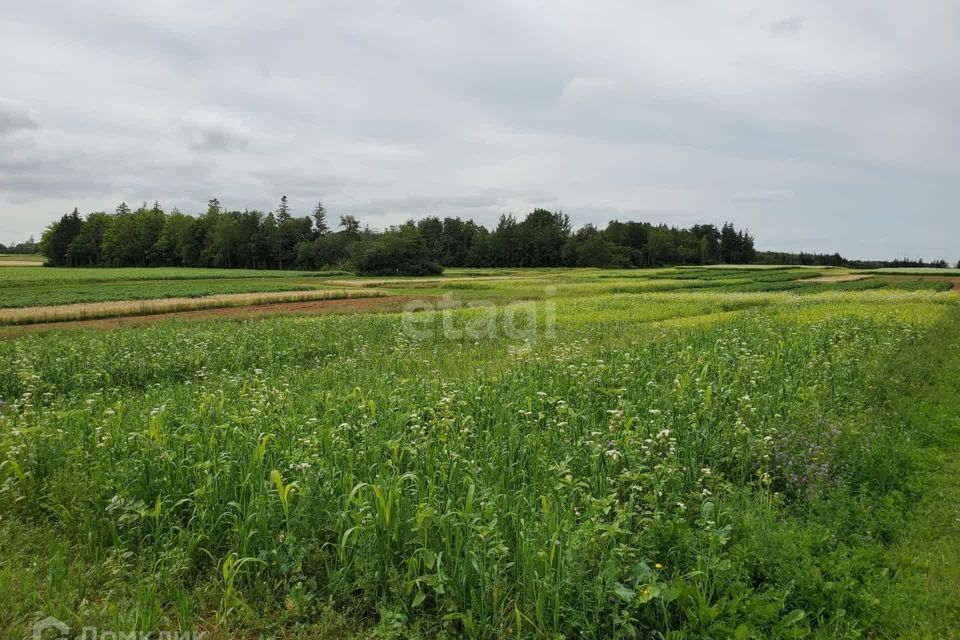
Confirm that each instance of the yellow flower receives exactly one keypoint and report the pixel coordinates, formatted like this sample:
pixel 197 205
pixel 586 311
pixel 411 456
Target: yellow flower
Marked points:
pixel 658 566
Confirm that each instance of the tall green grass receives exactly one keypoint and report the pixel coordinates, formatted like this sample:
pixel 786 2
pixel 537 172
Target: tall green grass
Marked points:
pixel 627 478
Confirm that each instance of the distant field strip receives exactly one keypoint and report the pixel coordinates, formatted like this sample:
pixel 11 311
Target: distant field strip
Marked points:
pixel 19 259
pixel 97 310
pixel 10 262
pixel 49 275
pixel 51 294
pixel 850 277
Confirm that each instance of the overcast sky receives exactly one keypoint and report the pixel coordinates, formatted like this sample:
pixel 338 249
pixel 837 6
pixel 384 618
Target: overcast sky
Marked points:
pixel 821 125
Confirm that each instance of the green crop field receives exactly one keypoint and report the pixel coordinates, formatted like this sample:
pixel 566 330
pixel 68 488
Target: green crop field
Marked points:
pixel 37 286
pixel 675 453
pixel 54 294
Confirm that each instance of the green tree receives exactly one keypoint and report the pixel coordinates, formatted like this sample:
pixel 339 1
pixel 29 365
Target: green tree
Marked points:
pixel 351 226
pixel 399 251
pixel 729 244
pixel 270 240
pixel 175 246
pixel 504 250
pixel 660 246
pixel 328 250
pixel 540 238
pixel 283 210
pixel 591 250
pixel 226 241
pixel 56 240
pixel 708 242
pixel 320 219
pixel 432 231
pixel 292 232
pixel 86 246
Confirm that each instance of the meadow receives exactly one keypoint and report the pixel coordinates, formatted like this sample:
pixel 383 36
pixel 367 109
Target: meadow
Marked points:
pixel 677 453
pixel 32 286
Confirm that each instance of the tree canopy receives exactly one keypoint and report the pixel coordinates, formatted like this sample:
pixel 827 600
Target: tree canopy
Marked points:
pixel 149 236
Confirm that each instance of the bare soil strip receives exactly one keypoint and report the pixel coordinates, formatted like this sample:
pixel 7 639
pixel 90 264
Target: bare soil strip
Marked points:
pixel 851 277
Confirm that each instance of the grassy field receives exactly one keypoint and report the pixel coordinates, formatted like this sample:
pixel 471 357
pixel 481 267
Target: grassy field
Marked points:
pixel 918 271
pixel 37 286
pixel 155 306
pixel 680 453
pixel 56 294
pixel 34 275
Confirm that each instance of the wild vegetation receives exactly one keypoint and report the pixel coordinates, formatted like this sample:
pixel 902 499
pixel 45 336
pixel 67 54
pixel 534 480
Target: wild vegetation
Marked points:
pixel 682 453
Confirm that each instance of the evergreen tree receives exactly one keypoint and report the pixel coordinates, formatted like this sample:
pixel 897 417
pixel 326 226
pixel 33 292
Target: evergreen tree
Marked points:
pixel 58 237
pixel 283 210
pixel 351 226
pixel 320 219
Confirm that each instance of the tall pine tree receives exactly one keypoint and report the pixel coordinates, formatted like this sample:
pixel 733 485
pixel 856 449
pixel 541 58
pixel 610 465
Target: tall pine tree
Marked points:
pixel 283 211
pixel 320 219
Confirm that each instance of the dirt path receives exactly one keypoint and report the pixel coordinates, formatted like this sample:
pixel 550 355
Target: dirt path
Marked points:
pixel 851 277
pixel 305 308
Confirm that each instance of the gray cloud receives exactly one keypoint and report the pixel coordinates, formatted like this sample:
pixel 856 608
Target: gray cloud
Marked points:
pixel 762 195
pixel 786 26
pixel 212 132
pixel 14 116
pixel 837 139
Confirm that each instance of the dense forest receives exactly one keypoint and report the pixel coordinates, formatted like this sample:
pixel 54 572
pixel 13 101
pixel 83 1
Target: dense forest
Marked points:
pixel 149 236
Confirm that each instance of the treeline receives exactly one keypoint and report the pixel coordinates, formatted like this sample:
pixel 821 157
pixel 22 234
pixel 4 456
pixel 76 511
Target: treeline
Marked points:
pixel 546 239
pixel 28 248
pixel 836 260
pixel 900 262
pixel 149 236
pixel 802 258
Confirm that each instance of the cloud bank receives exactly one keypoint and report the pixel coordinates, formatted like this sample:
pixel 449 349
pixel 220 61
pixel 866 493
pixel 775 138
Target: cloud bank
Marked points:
pixel 819 125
